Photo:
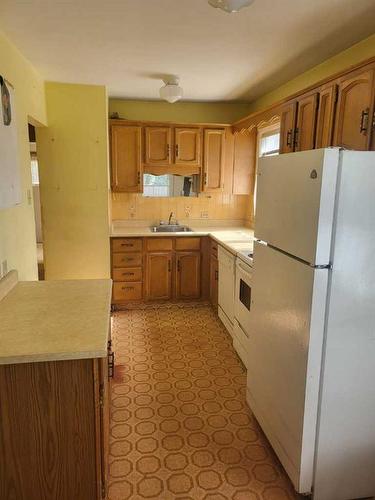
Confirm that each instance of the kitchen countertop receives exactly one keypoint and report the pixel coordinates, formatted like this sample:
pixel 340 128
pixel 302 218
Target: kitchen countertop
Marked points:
pixel 55 320
pixel 234 239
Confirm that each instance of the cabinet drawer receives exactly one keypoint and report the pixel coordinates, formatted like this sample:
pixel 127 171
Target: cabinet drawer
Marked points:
pixel 127 291
pixel 127 245
pixel 127 274
pixel 190 243
pixel 127 260
pixel 159 244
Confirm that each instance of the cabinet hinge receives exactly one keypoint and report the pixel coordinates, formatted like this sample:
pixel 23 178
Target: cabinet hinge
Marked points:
pixel 104 490
pixel 101 395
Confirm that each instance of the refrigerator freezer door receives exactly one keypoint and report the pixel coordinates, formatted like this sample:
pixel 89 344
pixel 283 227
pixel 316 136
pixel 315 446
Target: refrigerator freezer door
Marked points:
pixel 285 348
pixel 345 457
pixel 295 203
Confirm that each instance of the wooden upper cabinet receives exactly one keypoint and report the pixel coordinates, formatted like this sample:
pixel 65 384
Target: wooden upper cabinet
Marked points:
pixel 213 160
pixel 355 109
pixel 326 114
pixel 244 162
pixel 159 276
pixel 304 133
pixel 126 161
pixel 158 146
pixel 187 146
pixel 188 275
pixel 287 125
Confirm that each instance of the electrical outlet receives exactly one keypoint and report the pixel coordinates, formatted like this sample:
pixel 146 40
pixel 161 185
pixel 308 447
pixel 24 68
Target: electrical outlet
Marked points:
pixel 4 267
pixel 187 211
pixel 204 215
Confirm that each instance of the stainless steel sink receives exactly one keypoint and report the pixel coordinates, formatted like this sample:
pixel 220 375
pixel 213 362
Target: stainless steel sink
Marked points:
pixel 171 228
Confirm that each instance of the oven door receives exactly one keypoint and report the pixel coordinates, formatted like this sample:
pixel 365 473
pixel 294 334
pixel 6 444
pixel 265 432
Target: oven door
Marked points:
pixel 243 295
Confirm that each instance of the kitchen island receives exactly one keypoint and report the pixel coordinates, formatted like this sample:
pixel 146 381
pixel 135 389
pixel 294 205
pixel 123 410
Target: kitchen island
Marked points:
pixel 55 362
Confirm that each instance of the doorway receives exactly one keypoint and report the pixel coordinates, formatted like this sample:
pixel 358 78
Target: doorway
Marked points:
pixel 36 198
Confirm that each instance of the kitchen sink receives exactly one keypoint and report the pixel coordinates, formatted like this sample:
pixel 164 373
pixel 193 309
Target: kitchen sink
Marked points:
pixel 171 228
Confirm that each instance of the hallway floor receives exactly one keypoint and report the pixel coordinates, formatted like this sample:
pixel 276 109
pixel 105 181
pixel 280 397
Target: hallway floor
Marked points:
pixel 180 427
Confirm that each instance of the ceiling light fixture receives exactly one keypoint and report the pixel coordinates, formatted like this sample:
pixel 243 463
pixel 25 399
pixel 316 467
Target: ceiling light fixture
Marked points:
pixel 230 6
pixel 171 91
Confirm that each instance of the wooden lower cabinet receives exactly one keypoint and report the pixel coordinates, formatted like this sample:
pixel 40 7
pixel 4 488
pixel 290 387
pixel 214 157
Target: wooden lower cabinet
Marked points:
pixel 54 430
pixel 159 276
pixel 214 281
pixel 188 275
pixel 158 268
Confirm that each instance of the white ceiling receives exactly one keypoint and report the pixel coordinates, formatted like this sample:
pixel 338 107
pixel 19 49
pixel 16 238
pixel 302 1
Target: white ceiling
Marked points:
pixel 129 44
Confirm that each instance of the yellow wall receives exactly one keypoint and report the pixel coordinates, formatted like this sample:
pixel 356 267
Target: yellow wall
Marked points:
pixel 73 160
pixel 355 54
pixel 127 206
pixel 17 227
pixel 183 112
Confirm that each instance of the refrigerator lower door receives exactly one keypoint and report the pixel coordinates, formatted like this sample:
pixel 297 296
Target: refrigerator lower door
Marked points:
pixel 295 203
pixel 285 349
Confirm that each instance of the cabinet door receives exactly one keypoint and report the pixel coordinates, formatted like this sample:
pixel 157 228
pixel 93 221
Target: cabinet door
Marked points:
pixel 126 165
pixel 159 276
pixel 188 146
pixel 158 146
pixel 244 162
pixel 354 111
pixel 213 162
pixel 326 113
pixel 304 133
pixel 214 281
pixel 188 275
pixel 102 430
pixel 287 125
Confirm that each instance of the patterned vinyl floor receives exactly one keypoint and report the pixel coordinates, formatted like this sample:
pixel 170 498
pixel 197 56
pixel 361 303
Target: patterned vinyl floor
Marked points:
pixel 180 427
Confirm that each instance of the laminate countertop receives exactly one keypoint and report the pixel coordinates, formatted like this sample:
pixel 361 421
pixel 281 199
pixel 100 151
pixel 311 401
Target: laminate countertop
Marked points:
pixel 55 320
pixel 234 239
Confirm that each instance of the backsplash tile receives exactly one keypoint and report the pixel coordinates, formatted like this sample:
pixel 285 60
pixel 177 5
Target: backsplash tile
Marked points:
pixel 132 206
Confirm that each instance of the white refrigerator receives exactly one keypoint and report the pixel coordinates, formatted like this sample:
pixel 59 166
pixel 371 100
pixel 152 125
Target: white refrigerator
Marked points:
pixel 311 367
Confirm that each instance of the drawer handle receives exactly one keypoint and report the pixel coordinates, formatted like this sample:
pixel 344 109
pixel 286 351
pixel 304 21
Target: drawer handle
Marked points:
pixel 127 244
pixel 128 274
pixel 111 360
pixel 127 288
pixel 127 259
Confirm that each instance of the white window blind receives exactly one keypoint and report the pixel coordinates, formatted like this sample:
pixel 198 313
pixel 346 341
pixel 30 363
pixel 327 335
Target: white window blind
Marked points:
pixel 269 144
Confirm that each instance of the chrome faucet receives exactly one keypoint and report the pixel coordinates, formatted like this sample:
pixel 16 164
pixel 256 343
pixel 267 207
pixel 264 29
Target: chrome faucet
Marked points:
pixel 170 218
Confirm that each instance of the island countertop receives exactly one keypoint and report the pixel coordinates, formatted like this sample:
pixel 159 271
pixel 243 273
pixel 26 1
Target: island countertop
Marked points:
pixel 55 320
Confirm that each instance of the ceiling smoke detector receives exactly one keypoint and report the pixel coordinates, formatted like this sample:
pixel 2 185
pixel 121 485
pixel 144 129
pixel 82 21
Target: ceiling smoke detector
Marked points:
pixel 230 5
pixel 171 91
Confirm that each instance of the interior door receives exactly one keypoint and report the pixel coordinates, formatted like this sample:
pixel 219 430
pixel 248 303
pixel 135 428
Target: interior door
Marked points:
pixel 285 348
pixel 295 203
pixel 353 125
pixel 304 134
pixel 158 146
pixel 213 162
pixel 187 146
pixel 188 275
pixel 159 275
pixel 287 124
pixel 126 164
